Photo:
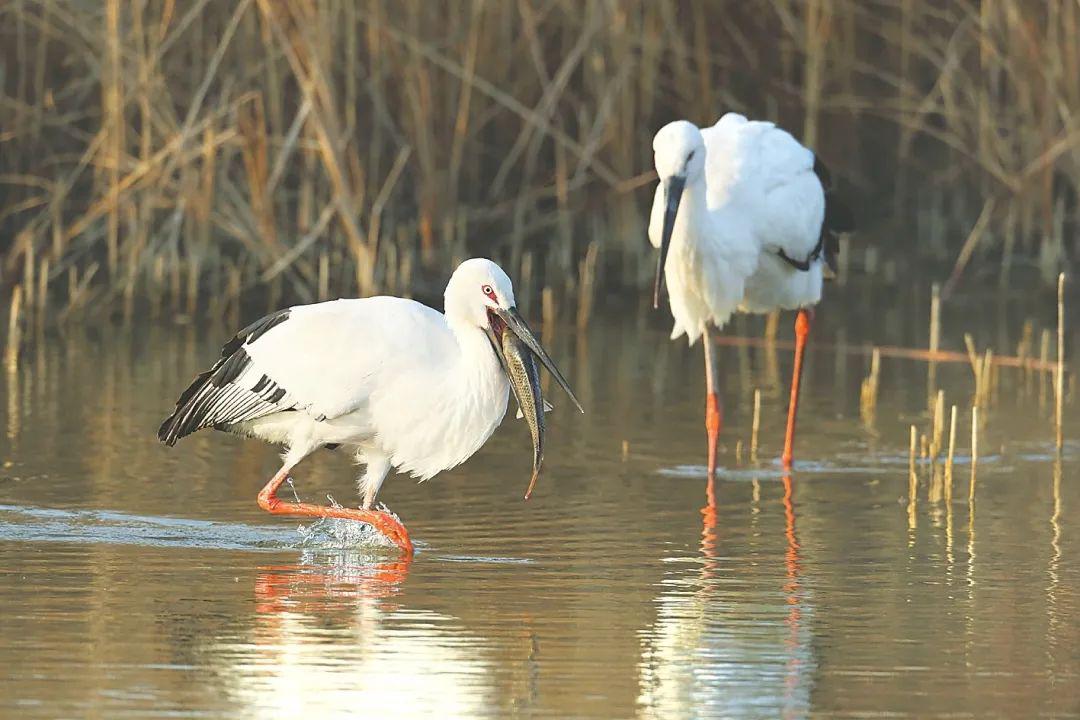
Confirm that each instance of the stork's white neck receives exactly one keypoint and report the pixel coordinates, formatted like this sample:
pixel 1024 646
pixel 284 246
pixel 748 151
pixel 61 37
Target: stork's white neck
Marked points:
pixel 479 369
pixel 693 217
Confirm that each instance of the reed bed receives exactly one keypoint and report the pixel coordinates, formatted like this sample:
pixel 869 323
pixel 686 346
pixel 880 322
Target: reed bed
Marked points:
pixel 199 155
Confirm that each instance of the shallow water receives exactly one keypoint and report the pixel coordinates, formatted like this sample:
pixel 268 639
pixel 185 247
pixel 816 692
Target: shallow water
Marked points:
pixel 144 581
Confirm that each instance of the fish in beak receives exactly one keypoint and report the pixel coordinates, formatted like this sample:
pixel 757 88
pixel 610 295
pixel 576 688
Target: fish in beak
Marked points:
pixel 518 349
pixel 673 190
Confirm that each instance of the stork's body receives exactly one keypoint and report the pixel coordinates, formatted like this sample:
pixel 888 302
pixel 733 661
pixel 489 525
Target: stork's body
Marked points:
pixel 765 175
pixel 764 191
pixel 399 384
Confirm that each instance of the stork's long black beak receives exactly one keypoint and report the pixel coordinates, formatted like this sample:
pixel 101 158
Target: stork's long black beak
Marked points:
pixel 516 324
pixel 673 189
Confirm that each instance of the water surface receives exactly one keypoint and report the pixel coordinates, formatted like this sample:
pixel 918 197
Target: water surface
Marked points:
pixel 144 581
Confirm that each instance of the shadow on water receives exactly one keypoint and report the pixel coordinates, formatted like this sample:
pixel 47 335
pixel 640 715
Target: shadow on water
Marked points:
pixel 142 580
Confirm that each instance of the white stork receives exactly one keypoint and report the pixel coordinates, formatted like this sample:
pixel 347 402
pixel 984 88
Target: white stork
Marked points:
pixel 754 237
pixel 402 385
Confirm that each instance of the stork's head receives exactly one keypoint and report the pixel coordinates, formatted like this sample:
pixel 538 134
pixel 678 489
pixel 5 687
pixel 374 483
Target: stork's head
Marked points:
pixel 478 287
pixel 679 156
pixel 679 151
pixel 480 294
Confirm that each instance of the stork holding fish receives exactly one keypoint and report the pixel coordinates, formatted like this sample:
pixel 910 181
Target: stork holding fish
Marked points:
pixel 401 385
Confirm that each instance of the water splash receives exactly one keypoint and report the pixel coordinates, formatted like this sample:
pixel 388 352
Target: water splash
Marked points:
pixel 341 534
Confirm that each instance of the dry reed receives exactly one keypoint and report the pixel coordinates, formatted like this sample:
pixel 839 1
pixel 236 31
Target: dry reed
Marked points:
pixel 14 334
pixel 913 447
pixel 1044 358
pixel 938 427
pixel 868 393
pixel 974 450
pixel 1059 398
pixel 755 426
pixel 168 150
pixel 952 452
pixel 913 480
pixel 935 337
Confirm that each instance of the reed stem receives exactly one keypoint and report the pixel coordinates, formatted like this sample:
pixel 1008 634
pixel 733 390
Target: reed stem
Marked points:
pixel 935 337
pixel 1060 394
pixel 14 336
pixel 913 480
pixel 974 450
pixel 755 426
pixel 952 451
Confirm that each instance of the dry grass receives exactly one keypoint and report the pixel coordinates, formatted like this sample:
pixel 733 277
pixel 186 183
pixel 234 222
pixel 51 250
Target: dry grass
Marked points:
pixel 195 154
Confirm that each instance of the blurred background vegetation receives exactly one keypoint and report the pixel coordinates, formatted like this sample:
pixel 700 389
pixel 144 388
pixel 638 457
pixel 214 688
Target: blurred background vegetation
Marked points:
pixel 191 156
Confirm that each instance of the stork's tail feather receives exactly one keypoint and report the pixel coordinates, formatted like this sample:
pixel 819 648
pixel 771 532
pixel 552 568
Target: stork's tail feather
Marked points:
pixel 184 420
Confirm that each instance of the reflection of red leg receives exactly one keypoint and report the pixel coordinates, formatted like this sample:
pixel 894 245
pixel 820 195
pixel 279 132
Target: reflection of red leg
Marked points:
pixel 802 330
pixel 381 521
pixel 708 533
pixel 791 587
pixel 296 588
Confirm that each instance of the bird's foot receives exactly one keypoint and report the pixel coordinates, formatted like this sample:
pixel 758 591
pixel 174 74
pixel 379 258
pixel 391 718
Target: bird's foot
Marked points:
pixel 390 527
pixel 388 524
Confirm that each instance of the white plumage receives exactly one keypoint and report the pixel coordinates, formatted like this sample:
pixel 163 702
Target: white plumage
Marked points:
pixel 750 193
pixel 400 384
pixel 711 251
pixel 761 173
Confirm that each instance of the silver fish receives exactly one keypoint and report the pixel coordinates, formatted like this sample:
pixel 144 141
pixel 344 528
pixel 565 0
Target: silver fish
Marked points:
pixel 524 377
pixel 518 350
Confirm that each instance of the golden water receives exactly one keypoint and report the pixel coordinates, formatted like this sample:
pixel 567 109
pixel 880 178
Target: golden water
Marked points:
pixel 142 581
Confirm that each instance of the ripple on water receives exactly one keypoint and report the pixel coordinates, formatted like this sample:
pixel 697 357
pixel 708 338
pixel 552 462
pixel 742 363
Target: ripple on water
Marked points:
pixel 38 524
pixel 839 464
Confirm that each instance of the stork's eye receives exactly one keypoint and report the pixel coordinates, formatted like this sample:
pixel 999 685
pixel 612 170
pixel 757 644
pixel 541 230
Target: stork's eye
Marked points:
pixel 487 290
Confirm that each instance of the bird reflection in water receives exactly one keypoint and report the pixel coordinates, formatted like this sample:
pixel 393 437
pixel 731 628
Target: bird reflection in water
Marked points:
pixel 792 594
pixel 333 639
pixel 792 587
pixel 338 579
pixel 708 530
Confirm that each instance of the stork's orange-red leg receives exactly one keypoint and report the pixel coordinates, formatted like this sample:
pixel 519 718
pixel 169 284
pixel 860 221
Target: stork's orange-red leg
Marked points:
pixel 802 331
pixel 381 521
pixel 713 420
pixel 713 411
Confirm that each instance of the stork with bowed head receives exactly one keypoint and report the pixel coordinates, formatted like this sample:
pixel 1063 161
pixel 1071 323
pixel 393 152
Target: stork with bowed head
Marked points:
pixel 764 188
pixel 401 385
pixel 706 254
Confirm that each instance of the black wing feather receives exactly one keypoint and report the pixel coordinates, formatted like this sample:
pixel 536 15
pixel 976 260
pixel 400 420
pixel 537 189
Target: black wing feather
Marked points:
pixel 838 217
pixel 213 400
